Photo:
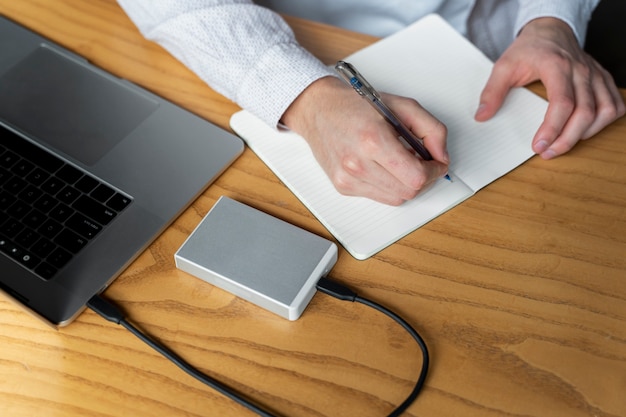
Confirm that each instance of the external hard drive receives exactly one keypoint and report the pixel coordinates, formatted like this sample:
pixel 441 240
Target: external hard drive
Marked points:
pixel 257 257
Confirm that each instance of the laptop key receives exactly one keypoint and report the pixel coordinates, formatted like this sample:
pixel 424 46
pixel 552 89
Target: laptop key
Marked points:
pixel 53 185
pixel 11 228
pixel 68 194
pixel 61 213
pixel 28 260
pixel 83 226
pixel 37 176
pixel 59 257
pixel 93 209
pixel 69 174
pixel 118 202
pixel 45 270
pixel 46 203
pixel 50 228
pixel 34 219
pixel 5 244
pixel 8 159
pixel 14 185
pixel 102 193
pixel 86 184
pixel 70 240
pixel 22 168
pixel 6 200
pixel 4 175
pixel 43 247
pixel 18 209
pixel 26 238
pixel 30 194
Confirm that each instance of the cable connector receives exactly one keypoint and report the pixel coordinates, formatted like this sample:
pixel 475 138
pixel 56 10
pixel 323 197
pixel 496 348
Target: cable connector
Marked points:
pixel 105 309
pixel 335 289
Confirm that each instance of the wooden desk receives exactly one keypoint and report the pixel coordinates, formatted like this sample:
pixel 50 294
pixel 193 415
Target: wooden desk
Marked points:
pixel 520 292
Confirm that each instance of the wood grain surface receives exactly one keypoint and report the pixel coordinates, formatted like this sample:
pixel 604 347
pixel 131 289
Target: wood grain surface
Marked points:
pixel 519 292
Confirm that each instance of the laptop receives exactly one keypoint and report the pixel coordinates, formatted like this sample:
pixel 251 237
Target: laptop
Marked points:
pixel 92 169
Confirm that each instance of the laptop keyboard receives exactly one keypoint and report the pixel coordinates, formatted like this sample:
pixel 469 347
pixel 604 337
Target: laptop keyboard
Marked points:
pixel 49 210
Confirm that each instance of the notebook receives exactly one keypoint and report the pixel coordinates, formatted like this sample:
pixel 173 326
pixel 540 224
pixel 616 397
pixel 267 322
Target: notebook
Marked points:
pixel 92 170
pixel 434 64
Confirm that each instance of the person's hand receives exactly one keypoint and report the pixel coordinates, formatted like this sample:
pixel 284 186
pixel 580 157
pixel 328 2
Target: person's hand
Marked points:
pixel 582 96
pixel 359 150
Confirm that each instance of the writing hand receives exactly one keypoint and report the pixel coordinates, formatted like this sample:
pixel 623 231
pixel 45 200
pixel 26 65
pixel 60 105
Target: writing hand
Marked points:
pixel 359 150
pixel 582 96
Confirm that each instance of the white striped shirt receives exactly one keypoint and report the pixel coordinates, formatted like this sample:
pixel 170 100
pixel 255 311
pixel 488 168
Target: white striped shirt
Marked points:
pixel 248 53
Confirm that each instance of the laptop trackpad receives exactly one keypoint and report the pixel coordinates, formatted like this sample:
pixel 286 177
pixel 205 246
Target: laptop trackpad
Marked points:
pixel 74 109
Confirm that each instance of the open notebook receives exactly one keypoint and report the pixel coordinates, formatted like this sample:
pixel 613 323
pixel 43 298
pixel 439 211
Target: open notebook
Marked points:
pixel 434 64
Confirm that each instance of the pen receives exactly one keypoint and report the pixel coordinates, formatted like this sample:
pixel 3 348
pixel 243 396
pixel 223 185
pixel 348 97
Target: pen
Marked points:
pixel 353 77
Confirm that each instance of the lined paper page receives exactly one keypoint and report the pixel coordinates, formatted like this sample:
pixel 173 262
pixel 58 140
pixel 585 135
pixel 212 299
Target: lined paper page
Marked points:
pixel 432 63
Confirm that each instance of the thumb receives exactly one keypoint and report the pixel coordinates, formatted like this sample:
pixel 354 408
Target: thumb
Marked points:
pixel 493 95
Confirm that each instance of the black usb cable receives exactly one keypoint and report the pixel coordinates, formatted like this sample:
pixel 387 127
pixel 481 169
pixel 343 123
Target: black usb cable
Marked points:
pixel 341 292
pixel 110 312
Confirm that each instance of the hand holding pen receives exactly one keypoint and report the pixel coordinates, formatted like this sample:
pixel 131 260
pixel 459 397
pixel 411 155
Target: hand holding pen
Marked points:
pixel 353 77
pixel 358 150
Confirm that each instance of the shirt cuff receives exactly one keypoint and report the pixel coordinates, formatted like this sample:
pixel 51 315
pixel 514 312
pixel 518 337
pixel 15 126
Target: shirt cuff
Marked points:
pixel 277 79
pixel 575 13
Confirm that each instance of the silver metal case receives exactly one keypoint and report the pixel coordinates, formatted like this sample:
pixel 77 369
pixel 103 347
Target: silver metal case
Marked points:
pixel 257 257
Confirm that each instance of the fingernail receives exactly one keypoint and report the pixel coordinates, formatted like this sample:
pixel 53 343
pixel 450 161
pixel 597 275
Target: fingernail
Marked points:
pixel 480 110
pixel 446 157
pixel 541 147
pixel 549 154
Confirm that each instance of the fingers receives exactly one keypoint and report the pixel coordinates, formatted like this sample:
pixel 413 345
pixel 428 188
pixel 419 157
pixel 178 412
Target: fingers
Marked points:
pixel 359 151
pixel 552 139
pixel 378 181
pixel 413 172
pixel 383 169
pixel 423 124
pixel 610 104
pixel 582 97
pixel 495 91
pixel 577 110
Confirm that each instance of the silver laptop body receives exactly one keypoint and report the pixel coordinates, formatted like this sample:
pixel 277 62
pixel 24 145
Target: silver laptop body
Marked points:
pixel 130 159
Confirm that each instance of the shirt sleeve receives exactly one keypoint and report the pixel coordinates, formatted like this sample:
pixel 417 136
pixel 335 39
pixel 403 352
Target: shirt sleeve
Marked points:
pixel 576 13
pixel 243 51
